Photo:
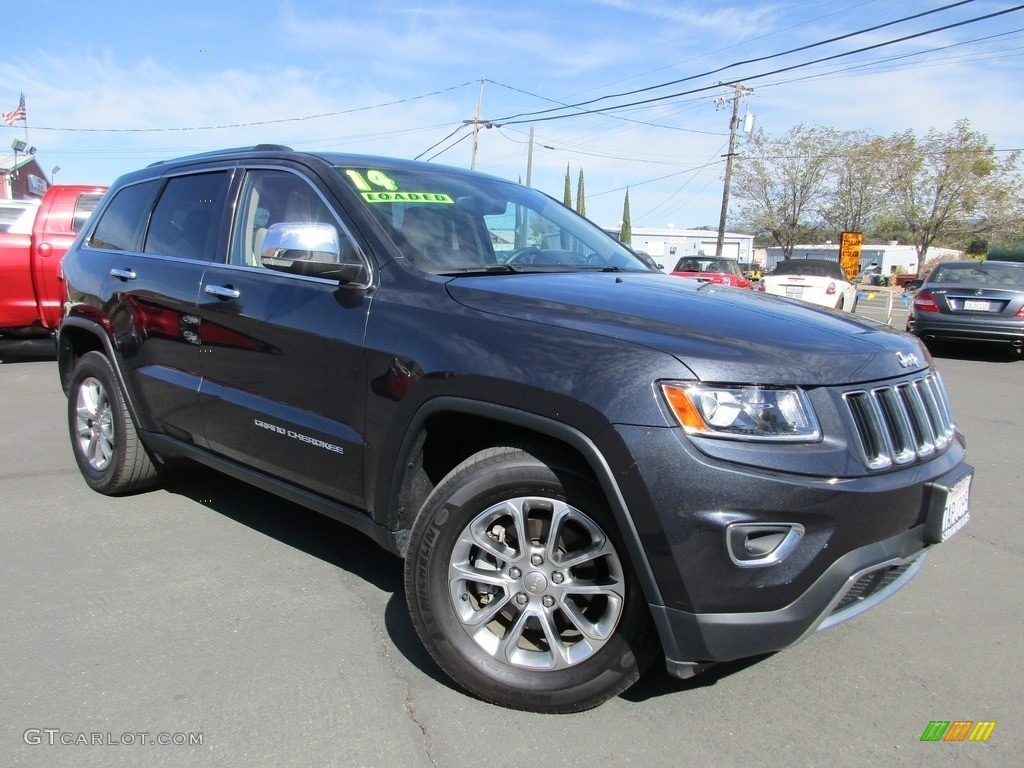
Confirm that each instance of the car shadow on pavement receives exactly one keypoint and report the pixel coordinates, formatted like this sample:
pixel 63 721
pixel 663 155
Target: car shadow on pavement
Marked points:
pixel 27 350
pixel 989 353
pixel 316 535
pixel 658 682
pixel 348 549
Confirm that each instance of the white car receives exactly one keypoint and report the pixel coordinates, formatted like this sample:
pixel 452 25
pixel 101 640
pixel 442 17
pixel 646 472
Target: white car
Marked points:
pixel 817 281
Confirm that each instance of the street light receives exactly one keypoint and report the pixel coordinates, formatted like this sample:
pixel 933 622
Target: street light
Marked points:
pixel 18 146
pixel 54 172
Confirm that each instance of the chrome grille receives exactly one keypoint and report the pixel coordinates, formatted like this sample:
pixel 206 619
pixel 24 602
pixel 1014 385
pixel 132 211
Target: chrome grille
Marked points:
pixel 902 423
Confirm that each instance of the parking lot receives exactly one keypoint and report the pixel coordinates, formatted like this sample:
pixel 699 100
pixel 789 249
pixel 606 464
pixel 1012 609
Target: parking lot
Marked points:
pixel 209 624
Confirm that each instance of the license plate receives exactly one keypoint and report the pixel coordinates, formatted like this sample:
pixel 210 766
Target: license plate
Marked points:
pixel 950 508
pixel 977 306
pixel 794 290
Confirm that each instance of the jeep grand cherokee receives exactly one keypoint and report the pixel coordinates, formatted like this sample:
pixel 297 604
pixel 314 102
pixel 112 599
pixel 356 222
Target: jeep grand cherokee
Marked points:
pixel 584 463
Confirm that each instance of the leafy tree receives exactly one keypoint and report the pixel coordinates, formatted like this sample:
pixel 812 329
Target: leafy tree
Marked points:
pixel 949 186
pixel 581 205
pixel 626 230
pixel 784 183
pixel 857 195
pixel 567 196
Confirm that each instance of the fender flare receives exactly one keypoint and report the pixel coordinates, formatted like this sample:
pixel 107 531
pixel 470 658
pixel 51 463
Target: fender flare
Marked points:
pixel 541 424
pixel 96 330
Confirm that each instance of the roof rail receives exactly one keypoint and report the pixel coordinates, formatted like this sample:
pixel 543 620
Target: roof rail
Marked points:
pixel 228 151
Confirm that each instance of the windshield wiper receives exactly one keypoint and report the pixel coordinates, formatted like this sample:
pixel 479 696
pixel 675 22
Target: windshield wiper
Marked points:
pixel 484 269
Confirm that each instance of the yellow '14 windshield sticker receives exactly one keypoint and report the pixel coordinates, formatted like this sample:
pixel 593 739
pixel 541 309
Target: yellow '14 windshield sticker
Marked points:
pixel 378 187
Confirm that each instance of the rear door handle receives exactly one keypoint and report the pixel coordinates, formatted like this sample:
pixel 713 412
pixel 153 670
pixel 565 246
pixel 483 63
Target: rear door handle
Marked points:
pixel 222 291
pixel 123 274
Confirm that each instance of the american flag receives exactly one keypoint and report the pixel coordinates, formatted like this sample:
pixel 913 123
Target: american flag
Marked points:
pixel 15 114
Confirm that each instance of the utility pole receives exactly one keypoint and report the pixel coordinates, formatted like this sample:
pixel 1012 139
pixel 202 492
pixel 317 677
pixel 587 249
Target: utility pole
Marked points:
pixel 529 160
pixel 476 125
pixel 738 93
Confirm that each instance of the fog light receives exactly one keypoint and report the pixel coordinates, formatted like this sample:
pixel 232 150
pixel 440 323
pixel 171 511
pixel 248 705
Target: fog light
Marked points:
pixel 752 545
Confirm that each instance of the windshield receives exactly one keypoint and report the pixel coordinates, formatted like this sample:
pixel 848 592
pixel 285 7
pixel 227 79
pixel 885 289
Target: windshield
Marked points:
pixel 809 268
pixel 980 273
pixel 698 264
pixel 454 223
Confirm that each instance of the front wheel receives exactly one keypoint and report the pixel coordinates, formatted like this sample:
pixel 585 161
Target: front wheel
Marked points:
pixel 520 588
pixel 103 437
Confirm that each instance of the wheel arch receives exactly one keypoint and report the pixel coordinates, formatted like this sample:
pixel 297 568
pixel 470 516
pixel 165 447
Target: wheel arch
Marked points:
pixel 77 336
pixel 427 453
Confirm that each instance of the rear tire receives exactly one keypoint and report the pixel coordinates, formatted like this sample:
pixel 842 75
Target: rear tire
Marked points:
pixel 520 588
pixel 103 437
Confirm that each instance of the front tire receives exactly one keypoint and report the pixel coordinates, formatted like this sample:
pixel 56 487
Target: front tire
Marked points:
pixel 520 588
pixel 103 437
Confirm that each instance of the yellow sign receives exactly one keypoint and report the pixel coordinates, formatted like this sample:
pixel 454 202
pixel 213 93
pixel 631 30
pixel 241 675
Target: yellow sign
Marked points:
pixel 849 253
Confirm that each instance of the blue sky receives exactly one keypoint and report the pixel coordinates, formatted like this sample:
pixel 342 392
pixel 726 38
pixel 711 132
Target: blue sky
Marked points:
pixel 111 86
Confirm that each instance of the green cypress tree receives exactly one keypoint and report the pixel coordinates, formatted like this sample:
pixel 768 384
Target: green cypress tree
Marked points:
pixel 567 197
pixel 626 231
pixel 581 204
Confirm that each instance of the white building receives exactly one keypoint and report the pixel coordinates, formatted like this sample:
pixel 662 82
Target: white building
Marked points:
pixel 889 259
pixel 667 244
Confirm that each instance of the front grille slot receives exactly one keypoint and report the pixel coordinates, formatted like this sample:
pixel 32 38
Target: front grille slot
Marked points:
pixel 869 587
pixel 870 584
pixel 901 424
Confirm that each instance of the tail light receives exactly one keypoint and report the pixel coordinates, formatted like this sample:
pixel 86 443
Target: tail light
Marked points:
pixel 831 290
pixel 925 302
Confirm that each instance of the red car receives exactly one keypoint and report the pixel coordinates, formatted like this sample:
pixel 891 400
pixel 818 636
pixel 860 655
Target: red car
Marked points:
pixel 712 269
pixel 30 253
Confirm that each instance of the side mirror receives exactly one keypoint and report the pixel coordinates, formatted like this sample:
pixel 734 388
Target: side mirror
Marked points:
pixel 308 248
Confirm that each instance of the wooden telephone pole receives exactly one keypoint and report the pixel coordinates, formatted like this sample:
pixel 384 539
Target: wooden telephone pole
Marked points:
pixel 738 93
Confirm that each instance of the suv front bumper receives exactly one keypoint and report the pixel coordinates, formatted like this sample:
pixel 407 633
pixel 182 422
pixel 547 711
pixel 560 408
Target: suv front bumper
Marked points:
pixel 863 539
pixel 853 584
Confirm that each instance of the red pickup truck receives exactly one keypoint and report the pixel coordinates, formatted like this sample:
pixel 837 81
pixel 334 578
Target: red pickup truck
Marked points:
pixel 32 242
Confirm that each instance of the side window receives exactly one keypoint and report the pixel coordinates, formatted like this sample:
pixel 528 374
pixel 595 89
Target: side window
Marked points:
pixel 272 199
pixel 187 217
pixel 122 223
pixel 84 207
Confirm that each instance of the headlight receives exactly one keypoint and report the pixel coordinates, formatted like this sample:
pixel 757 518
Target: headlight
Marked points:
pixel 743 412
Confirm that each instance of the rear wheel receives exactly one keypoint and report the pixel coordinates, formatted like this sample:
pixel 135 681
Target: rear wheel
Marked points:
pixel 106 446
pixel 519 587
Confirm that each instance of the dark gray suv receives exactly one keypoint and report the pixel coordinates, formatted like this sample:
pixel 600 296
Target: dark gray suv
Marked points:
pixel 585 463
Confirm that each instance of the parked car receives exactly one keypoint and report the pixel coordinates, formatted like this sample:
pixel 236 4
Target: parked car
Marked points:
pixel 647 259
pixel 912 284
pixel 751 271
pixel 34 235
pixel 817 281
pixel 711 269
pixel 970 301
pixel 586 464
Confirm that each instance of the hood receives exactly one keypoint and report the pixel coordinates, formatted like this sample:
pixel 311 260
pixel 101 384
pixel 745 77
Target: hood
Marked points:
pixel 721 334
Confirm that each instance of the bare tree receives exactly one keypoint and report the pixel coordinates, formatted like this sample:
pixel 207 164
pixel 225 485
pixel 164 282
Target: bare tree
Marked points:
pixel 784 183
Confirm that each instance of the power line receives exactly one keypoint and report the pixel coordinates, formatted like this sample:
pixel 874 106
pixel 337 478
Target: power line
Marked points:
pixel 258 122
pixel 773 72
pixel 738 63
pixel 614 117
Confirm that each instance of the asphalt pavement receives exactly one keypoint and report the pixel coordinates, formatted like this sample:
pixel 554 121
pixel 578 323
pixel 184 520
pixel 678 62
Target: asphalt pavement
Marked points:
pixel 209 624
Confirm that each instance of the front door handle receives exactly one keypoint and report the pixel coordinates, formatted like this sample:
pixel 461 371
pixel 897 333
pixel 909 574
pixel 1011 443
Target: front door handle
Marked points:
pixel 222 291
pixel 123 274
